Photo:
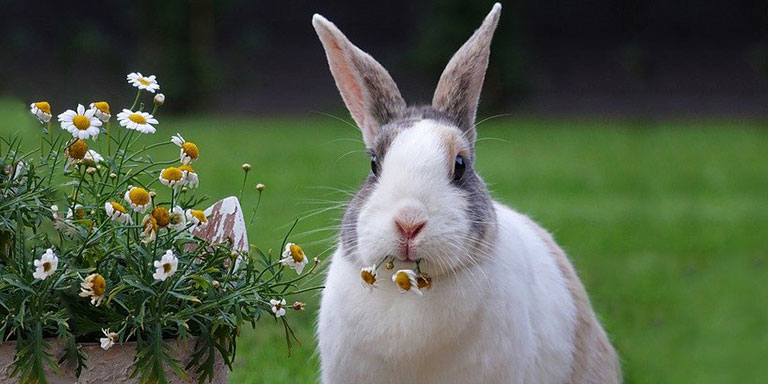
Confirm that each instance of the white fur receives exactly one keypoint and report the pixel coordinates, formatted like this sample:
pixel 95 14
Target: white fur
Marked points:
pixel 497 313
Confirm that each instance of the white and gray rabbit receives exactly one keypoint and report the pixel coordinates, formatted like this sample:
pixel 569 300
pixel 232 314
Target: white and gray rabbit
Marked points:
pixel 505 305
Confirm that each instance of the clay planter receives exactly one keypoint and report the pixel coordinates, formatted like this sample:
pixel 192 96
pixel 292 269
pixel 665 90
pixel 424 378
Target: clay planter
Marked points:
pixel 112 366
pixel 225 224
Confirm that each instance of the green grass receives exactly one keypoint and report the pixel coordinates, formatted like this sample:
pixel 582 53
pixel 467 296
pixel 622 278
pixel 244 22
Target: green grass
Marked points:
pixel 665 221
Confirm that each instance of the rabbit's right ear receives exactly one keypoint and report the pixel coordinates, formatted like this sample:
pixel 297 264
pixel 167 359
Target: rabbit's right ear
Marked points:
pixel 370 94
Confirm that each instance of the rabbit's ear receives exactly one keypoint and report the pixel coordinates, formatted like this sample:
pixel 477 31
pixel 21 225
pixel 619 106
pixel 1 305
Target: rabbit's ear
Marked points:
pixel 458 90
pixel 368 91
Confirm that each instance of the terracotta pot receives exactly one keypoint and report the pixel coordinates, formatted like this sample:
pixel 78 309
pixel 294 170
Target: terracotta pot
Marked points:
pixel 112 366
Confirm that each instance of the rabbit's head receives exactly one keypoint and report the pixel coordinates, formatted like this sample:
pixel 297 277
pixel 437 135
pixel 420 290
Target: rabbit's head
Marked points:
pixel 422 199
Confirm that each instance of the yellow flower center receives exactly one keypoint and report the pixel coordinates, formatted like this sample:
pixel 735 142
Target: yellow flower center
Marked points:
pixel 368 277
pixel 403 281
pixel 297 253
pixel 167 267
pixel 144 81
pixel 102 106
pixel 191 150
pixel 137 118
pixel 117 207
pixel 172 174
pixel 80 213
pixel 46 266
pixel 161 215
pixel 199 215
pixel 81 122
pixel 77 150
pixel 43 106
pixel 98 285
pixel 187 168
pixel 139 196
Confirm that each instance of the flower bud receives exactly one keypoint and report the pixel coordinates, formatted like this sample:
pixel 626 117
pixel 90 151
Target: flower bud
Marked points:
pixel 184 189
pixel 152 194
pixel 390 265
pixel 299 306
pixel 90 170
pixel 246 167
pixel 216 284
pixel 159 99
pixel 260 187
pixel 112 175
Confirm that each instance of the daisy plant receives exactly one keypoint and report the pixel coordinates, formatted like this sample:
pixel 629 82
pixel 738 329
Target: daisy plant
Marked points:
pixel 101 242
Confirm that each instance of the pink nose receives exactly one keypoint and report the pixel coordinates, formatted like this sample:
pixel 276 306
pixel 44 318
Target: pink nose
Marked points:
pixel 409 229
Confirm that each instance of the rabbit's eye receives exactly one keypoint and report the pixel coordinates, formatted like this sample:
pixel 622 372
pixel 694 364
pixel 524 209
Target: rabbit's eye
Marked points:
pixel 459 166
pixel 375 165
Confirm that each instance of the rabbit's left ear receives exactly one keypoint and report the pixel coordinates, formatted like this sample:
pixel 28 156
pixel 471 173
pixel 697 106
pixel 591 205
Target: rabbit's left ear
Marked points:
pixel 458 90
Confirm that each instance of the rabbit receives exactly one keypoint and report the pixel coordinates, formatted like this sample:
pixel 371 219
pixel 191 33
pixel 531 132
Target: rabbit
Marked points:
pixel 504 305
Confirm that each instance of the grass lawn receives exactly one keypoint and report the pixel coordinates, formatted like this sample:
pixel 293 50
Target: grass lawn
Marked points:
pixel 666 222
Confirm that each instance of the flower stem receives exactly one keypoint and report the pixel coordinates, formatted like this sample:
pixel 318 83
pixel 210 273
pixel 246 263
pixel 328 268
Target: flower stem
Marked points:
pixel 136 100
pixel 242 187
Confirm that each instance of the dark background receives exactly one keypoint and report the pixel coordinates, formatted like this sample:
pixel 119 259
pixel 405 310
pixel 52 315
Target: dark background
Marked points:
pixel 638 58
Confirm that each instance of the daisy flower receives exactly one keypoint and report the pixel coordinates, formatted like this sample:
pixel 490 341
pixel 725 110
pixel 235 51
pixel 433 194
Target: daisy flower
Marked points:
pixel 138 121
pixel 92 158
pixel 94 286
pixel 117 213
pixel 278 307
pixel 166 266
pixel 161 216
pixel 109 339
pixel 148 83
pixel 79 212
pixel 82 124
pixel 368 275
pixel 41 110
pixel 405 280
pixel 192 180
pixel 101 110
pixel 46 265
pixel 172 176
pixel 294 257
pixel 138 198
pixel 197 218
pixel 189 151
pixel 177 219
pixel 150 229
pixel 55 211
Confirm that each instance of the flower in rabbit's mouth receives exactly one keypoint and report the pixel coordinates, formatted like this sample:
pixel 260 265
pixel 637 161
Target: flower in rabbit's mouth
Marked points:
pixel 147 83
pixel 197 218
pixel 109 339
pixel 46 265
pixel 294 257
pixel 41 110
pixel 423 281
pixel 177 220
pixel 405 280
pixel 82 124
pixel 190 175
pixel 117 213
pixel 101 110
pixel 368 275
pixel 94 286
pixel 166 266
pixel 172 176
pixel 150 229
pixel 137 121
pixel 278 307
pixel 189 151
pixel 138 198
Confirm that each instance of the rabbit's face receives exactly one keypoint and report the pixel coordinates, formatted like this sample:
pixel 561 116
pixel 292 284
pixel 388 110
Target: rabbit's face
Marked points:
pixel 422 200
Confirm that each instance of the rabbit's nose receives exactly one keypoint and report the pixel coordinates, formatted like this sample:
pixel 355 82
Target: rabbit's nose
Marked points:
pixel 409 229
